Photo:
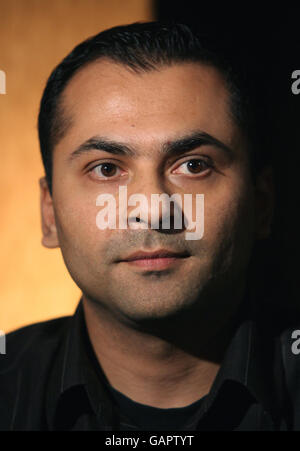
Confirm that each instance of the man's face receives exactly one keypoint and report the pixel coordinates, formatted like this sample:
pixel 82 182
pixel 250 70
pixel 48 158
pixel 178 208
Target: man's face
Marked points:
pixel 147 113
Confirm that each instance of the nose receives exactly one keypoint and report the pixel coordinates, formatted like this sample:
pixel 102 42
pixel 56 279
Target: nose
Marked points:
pixel 157 207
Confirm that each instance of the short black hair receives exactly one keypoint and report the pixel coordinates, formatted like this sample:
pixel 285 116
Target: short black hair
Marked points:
pixel 145 47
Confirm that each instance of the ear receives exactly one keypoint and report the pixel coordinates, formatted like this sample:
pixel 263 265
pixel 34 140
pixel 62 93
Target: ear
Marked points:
pixel 264 201
pixel 49 238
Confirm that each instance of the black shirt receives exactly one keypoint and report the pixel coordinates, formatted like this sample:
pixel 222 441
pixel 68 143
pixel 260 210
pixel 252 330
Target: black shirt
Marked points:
pixel 148 418
pixel 50 379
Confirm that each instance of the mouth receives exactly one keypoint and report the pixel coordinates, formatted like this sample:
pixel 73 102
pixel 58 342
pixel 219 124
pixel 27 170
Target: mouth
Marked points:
pixel 155 261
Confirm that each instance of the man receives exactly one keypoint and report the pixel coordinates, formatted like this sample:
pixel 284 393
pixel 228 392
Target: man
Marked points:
pixel 167 335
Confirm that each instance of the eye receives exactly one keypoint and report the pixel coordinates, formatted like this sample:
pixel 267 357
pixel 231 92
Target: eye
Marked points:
pixel 194 166
pixel 105 170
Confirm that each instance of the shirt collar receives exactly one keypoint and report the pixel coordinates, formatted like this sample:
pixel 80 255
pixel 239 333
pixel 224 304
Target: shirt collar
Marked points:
pixel 76 373
pixel 253 358
pixel 248 361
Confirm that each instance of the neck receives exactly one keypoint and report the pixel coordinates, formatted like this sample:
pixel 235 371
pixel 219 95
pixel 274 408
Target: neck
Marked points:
pixel 171 363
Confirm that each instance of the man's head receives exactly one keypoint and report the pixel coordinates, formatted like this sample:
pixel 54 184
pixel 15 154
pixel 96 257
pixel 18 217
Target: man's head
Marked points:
pixel 152 108
pixel 144 47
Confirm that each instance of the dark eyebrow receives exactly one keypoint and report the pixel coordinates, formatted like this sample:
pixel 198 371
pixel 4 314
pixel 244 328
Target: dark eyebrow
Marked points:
pixel 99 143
pixel 193 141
pixel 169 149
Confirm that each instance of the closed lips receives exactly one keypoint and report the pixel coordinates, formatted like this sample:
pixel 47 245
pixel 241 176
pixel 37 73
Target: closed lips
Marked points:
pixel 155 255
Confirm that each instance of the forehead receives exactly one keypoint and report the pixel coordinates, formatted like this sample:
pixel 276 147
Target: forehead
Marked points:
pixel 108 98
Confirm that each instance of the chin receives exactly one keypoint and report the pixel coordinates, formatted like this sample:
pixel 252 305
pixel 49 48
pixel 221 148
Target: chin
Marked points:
pixel 143 308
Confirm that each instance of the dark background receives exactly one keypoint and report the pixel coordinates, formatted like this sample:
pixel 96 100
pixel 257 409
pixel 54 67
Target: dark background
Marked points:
pixel 266 40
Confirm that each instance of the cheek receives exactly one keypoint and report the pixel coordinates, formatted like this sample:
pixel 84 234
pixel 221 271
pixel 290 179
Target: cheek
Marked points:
pixel 77 229
pixel 229 214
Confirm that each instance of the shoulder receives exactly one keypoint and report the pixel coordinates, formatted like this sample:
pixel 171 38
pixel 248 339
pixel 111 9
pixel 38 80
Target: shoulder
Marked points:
pixel 30 354
pixel 36 342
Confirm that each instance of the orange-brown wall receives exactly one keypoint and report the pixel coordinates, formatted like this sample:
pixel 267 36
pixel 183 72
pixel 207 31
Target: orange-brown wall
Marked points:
pixel 34 36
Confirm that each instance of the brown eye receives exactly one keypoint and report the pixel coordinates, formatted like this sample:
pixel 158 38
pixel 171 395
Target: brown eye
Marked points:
pixel 195 166
pixel 106 170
